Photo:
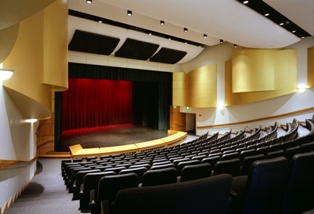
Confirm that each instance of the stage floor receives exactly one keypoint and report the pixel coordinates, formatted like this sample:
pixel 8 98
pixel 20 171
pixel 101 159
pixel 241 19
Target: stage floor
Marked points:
pixel 108 136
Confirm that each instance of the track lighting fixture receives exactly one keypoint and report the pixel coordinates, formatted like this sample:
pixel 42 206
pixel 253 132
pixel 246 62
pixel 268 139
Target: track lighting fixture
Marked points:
pixel 129 13
pixel 162 22
pixel 205 36
pixel 185 30
pixel 89 1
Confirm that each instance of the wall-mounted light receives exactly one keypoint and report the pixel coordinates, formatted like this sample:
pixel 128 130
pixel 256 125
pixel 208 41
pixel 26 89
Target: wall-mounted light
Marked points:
pixel 89 1
pixel 162 22
pixel 185 30
pixel 205 36
pixel 174 106
pixel 221 41
pixel 129 13
pixel 220 106
pixel 302 88
pixel 30 120
pixel 187 107
pixel 235 45
pixel 5 73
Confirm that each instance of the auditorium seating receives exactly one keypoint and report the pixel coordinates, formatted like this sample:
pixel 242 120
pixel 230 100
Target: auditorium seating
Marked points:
pixel 298 196
pixel 207 195
pixel 108 188
pixel 195 171
pixel 226 154
pixel 262 191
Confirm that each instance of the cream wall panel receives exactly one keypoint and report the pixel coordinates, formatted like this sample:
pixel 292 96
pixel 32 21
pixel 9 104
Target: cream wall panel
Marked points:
pixel 178 88
pixel 27 60
pixel 252 70
pixel 202 87
pixel 310 67
pixel 7 40
pixel 56 45
pixel 96 59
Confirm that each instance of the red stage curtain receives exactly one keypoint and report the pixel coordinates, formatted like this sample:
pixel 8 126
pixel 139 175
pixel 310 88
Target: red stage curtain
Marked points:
pixel 93 103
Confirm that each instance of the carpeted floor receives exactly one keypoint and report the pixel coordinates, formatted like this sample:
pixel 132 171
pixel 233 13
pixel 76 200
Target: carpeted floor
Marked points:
pixel 46 193
pixel 108 136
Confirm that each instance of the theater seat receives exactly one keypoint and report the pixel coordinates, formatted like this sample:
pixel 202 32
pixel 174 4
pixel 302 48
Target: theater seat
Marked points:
pixel 231 167
pixel 298 196
pixel 207 195
pixel 197 171
pixel 108 188
pixel 159 177
pixel 263 187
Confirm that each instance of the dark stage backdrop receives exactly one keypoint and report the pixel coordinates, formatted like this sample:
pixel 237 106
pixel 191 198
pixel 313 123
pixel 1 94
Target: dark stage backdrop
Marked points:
pixel 151 94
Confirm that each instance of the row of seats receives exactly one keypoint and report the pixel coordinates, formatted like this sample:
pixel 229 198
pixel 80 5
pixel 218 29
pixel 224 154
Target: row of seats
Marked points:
pixel 182 163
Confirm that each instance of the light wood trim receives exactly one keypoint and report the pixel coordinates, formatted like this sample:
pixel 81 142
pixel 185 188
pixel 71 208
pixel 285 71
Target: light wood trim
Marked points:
pixel 257 119
pixel 176 136
pixel 13 164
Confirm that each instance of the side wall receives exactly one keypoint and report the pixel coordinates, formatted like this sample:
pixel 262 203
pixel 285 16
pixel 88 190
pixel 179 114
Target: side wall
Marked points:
pixel 207 117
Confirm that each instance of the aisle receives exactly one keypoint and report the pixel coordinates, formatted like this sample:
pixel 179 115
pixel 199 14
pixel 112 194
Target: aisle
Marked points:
pixel 46 193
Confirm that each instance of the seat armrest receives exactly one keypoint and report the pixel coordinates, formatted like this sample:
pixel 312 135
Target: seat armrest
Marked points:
pixel 234 195
pixel 82 189
pixel 105 207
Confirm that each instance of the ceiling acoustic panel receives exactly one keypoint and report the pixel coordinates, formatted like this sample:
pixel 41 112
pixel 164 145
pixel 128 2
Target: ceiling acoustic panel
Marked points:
pixel 167 55
pixel 93 43
pixel 135 49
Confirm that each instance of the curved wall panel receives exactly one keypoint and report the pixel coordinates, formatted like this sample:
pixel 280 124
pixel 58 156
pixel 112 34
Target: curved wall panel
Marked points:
pixel 202 87
pixel 7 40
pixel 178 88
pixel 252 70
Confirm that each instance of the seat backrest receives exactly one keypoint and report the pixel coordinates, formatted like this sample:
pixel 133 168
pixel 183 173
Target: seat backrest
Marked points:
pixel 196 171
pixel 231 167
pixel 159 177
pixel 245 153
pixel 110 185
pixel 229 156
pixel 211 160
pixel 162 166
pixel 298 196
pixel 247 162
pixel 265 185
pixel 197 196
pixel 139 171
pixel 185 163
pixel 115 169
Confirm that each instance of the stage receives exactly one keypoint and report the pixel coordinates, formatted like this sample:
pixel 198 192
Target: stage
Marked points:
pixel 108 136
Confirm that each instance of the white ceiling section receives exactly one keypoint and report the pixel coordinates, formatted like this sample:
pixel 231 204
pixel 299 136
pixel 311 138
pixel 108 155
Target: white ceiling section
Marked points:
pixel 219 19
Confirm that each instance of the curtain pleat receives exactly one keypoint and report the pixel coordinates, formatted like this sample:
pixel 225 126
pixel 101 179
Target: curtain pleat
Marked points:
pixel 94 103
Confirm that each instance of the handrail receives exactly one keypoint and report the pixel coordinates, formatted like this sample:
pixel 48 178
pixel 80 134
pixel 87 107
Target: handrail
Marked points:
pixel 257 119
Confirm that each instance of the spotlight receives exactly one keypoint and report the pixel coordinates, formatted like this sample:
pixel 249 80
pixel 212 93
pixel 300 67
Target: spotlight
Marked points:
pixel 129 13
pixel 89 1
pixel 266 14
pixel 185 30
pixel 205 36
pixel 162 22
pixel 281 23
pixel 294 31
pixel 245 2
pixel 235 45
pixel 221 41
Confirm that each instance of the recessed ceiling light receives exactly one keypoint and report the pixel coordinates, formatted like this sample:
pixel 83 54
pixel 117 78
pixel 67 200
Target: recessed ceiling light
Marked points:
pixel 245 2
pixel 88 1
pixel 185 30
pixel 150 34
pixel 281 23
pixel 294 31
pixel 129 13
pixel 205 36
pixel 266 14
pixel 162 22
pixel 100 21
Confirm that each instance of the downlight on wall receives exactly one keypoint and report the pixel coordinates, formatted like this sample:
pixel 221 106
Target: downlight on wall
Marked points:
pixel 5 73
pixel 30 120
pixel 221 105
pixel 302 88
